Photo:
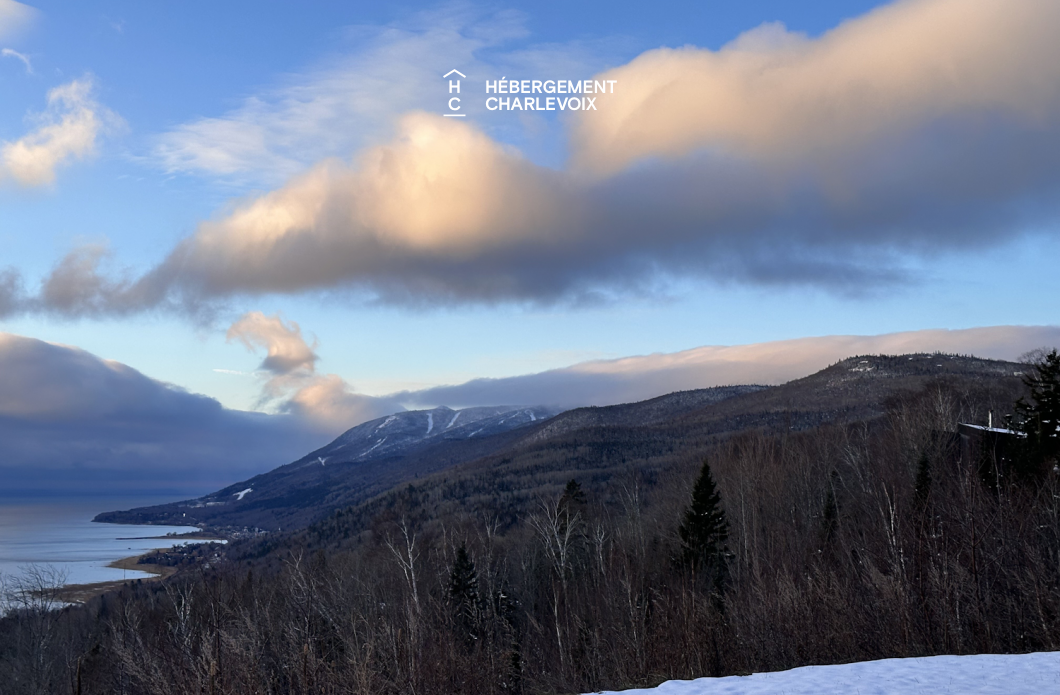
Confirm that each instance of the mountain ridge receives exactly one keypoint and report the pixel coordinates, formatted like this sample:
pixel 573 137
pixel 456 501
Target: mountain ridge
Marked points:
pixel 377 456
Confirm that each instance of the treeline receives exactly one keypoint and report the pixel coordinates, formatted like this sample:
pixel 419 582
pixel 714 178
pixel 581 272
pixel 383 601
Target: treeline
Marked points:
pixel 847 542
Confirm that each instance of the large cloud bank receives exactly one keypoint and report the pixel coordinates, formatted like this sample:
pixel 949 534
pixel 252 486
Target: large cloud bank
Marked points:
pixel 71 422
pixel 923 127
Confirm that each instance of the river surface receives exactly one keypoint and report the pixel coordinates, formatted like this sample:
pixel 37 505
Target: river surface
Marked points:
pixel 58 533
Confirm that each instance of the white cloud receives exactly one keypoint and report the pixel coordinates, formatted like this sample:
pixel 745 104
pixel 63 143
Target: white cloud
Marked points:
pixel 67 130
pixel 11 53
pixel 439 196
pixel 292 384
pixel 286 349
pixel 349 101
pixel 334 406
pixel 337 107
pixel 14 16
pixel 781 97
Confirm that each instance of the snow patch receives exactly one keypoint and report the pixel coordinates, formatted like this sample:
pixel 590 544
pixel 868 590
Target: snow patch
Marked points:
pixel 453 420
pixel 240 495
pixel 386 422
pixel 531 414
pixel 980 674
pixel 430 423
pixel 374 447
pixel 322 459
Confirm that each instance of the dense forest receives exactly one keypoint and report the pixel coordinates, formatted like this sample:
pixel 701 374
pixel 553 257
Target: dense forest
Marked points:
pixel 883 535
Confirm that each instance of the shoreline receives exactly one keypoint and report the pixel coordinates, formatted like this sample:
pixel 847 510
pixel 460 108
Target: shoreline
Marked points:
pixel 199 536
pixel 82 593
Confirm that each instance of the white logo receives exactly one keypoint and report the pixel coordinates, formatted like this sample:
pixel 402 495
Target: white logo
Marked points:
pixel 454 102
pixel 544 95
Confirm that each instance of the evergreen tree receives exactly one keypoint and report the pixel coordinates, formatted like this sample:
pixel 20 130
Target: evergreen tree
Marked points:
pixel 1039 419
pixel 830 515
pixel 571 505
pixel 704 529
pixel 923 478
pixel 463 594
pixel 573 498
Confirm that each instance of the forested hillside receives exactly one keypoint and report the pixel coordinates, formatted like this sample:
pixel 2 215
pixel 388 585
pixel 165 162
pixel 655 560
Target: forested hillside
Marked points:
pixel 832 519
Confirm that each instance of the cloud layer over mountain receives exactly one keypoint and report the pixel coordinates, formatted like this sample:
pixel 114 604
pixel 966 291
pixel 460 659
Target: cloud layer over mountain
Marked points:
pixel 607 382
pixel 72 422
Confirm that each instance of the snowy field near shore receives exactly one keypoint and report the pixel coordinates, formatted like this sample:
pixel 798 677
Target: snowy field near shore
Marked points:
pixel 981 674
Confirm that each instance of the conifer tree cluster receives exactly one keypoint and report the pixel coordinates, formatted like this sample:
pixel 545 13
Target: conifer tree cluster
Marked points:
pixel 704 529
pixel 1039 418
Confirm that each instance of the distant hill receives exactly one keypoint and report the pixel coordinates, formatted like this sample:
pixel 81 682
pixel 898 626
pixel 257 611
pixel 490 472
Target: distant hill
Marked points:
pixel 608 448
pixel 374 456
pixel 480 451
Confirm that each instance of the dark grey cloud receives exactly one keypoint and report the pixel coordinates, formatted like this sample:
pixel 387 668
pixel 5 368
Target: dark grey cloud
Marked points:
pixel 72 422
pixel 11 292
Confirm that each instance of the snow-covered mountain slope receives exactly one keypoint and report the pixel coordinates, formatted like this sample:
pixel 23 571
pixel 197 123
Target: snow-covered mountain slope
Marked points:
pixel 361 462
pixel 401 431
pixel 980 674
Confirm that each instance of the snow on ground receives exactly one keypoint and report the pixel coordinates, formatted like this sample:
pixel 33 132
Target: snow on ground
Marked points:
pixel 242 493
pixel 981 674
pixel 430 423
pixel 453 421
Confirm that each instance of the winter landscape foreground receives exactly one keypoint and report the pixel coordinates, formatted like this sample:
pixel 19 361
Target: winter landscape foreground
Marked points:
pixel 980 674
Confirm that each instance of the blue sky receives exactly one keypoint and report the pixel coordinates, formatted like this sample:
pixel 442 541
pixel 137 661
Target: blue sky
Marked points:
pixel 201 110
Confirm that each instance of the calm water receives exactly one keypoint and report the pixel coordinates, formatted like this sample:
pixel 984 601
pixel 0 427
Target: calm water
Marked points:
pixel 60 533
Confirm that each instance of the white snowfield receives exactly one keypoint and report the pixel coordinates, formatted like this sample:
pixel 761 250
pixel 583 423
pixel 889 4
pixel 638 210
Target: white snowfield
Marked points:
pixel 981 674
